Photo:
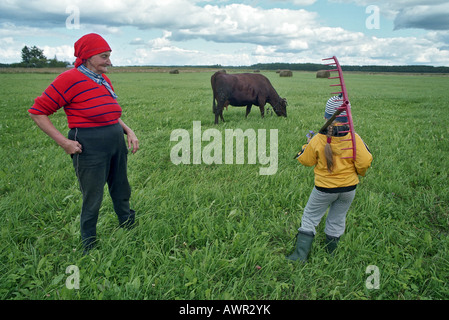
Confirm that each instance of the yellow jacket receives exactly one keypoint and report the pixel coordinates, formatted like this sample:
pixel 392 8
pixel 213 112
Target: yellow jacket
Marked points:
pixel 346 171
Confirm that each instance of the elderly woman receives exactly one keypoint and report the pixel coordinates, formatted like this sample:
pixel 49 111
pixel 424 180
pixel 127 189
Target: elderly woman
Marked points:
pixel 96 138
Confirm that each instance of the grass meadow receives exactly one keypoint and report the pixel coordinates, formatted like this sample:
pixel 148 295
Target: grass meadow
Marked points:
pixel 222 231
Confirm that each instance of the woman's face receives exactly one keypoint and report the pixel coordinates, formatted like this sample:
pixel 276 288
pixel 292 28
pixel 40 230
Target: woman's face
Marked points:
pixel 99 63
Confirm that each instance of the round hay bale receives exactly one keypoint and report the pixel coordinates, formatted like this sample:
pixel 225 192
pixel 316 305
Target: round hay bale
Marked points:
pixel 176 71
pixel 323 74
pixel 286 73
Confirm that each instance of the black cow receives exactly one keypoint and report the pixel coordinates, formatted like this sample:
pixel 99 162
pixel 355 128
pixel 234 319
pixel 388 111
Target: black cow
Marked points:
pixel 244 89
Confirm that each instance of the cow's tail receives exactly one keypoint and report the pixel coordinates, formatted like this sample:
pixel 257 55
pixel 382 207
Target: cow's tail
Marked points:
pixel 214 106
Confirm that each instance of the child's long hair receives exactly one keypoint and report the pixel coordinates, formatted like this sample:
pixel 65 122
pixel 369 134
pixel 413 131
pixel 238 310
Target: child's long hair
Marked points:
pixel 328 149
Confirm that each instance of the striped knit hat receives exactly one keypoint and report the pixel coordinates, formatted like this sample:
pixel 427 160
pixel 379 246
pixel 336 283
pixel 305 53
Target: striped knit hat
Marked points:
pixel 332 105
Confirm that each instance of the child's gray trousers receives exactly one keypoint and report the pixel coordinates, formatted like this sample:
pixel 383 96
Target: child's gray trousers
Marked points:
pixel 338 204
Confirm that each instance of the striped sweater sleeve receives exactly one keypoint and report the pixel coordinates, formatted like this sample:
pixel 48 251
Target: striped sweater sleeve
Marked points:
pixel 52 99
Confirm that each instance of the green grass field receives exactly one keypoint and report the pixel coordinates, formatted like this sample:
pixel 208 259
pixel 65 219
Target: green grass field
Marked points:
pixel 222 231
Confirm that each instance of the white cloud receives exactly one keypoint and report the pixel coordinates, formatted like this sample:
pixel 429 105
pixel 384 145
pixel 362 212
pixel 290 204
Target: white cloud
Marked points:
pixel 243 23
pixel 177 56
pixel 424 17
pixel 407 12
pixel 62 53
pixel 9 51
pixel 162 42
pixel 298 2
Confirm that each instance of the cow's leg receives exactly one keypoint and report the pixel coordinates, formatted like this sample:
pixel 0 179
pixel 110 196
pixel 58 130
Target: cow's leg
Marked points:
pixel 214 106
pixel 219 112
pixel 248 110
pixel 225 105
pixel 262 106
pixel 262 110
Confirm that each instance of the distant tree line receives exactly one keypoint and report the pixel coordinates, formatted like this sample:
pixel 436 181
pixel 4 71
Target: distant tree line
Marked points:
pixel 34 57
pixel 313 67
pixel 316 67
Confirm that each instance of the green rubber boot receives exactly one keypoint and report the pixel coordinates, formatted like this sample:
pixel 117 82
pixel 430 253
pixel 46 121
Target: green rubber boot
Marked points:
pixel 331 244
pixel 303 246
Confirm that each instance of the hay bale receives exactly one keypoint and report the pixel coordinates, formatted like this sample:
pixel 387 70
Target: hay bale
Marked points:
pixel 176 71
pixel 323 74
pixel 286 73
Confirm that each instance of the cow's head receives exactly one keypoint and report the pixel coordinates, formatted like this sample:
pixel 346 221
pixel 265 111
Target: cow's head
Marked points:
pixel 280 108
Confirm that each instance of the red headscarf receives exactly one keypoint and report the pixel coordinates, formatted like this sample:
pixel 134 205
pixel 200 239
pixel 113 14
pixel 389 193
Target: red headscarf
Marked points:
pixel 88 46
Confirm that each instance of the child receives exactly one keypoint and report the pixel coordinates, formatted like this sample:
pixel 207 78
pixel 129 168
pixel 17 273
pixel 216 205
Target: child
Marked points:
pixel 335 181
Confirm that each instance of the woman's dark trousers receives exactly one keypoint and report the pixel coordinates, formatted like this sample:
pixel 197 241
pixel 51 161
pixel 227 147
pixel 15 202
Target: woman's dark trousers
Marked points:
pixel 103 160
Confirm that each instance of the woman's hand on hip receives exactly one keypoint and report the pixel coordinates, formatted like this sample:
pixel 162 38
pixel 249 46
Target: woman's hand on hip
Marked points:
pixel 72 147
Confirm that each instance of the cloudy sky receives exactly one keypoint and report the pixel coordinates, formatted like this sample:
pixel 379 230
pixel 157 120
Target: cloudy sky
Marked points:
pixel 232 33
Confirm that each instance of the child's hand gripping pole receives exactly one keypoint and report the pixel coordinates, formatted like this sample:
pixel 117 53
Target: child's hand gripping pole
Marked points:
pixel 309 136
